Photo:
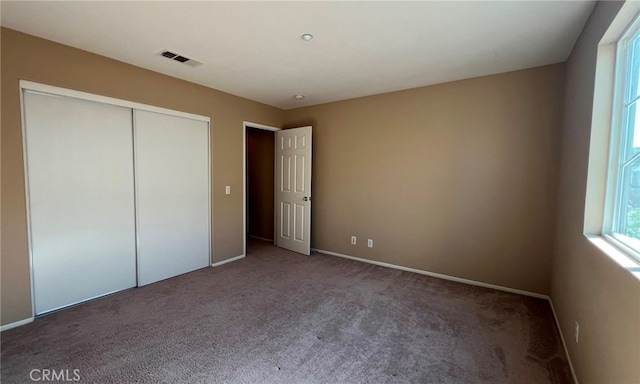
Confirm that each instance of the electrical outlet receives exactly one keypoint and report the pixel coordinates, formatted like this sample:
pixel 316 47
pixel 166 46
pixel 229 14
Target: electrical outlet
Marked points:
pixel 370 243
pixel 577 331
pixel 353 240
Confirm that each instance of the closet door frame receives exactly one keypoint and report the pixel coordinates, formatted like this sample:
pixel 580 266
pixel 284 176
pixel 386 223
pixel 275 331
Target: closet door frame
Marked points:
pixel 25 85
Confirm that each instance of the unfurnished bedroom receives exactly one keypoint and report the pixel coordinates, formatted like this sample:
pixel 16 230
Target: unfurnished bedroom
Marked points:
pixel 320 192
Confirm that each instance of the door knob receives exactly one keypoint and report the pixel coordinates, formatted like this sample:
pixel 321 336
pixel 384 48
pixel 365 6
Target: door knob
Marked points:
pixel 306 198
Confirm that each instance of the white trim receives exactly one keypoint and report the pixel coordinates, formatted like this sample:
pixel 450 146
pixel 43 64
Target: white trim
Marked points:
pixel 223 262
pixel 621 22
pixel 248 124
pixel 601 203
pixel 27 201
pixel 470 282
pixel 210 187
pixel 83 301
pixel 16 324
pixel 53 90
pixel 433 274
pixel 136 210
pixel 263 239
pixel 245 125
pixel 564 344
pixel 598 190
pixel 616 194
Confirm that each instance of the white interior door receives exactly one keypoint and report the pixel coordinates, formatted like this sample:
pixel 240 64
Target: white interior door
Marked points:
pixel 293 189
pixel 172 195
pixel 79 159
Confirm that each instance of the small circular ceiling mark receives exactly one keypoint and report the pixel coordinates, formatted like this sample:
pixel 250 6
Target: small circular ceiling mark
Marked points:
pixel 298 97
pixel 307 37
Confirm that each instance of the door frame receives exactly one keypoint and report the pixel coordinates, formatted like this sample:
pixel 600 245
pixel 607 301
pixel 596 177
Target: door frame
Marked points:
pixel 245 125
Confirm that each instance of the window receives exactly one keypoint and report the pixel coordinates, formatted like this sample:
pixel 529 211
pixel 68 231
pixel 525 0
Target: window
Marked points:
pixel 622 222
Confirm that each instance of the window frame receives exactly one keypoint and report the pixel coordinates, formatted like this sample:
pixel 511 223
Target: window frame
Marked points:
pixel 620 134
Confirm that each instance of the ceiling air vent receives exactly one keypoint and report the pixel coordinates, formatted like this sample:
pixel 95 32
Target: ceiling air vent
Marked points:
pixel 179 58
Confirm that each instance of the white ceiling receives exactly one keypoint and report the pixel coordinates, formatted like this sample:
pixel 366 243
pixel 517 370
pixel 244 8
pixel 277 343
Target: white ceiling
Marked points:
pixel 254 49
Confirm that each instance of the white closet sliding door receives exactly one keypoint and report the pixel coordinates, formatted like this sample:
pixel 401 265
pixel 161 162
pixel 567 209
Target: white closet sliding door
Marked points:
pixel 172 195
pixel 81 205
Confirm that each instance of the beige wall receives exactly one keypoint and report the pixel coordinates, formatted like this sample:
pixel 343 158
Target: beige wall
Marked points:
pixel 587 286
pixel 260 182
pixel 458 178
pixel 30 58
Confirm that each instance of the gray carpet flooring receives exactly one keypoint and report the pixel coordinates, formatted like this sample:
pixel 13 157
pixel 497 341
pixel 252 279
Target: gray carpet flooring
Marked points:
pixel 279 317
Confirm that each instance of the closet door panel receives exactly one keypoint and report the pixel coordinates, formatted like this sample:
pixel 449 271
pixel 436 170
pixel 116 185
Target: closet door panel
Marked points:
pixel 81 199
pixel 172 188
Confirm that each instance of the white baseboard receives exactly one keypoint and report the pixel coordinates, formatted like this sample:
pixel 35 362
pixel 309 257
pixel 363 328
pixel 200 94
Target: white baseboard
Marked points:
pixel 399 267
pixel 16 324
pixel 223 262
pixel 261 238
pixel 564 343
pixel 438 275
pixel 470 282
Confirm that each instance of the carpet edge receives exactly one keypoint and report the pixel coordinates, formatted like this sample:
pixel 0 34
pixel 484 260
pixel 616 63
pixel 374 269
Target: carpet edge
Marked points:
pixel 465 281
pixel 434 274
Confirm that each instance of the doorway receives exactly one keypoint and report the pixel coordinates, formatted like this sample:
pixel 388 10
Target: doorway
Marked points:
pixel 259 185
pixel 287 165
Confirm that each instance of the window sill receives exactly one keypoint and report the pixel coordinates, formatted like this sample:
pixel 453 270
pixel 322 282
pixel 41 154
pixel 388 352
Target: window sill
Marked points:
pixel 616 253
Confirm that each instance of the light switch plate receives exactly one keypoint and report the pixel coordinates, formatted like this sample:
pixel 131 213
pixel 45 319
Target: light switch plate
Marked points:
pixel 227 189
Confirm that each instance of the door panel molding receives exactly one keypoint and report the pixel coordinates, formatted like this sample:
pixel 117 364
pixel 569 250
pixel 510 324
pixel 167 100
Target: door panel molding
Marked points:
pixel 293 183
